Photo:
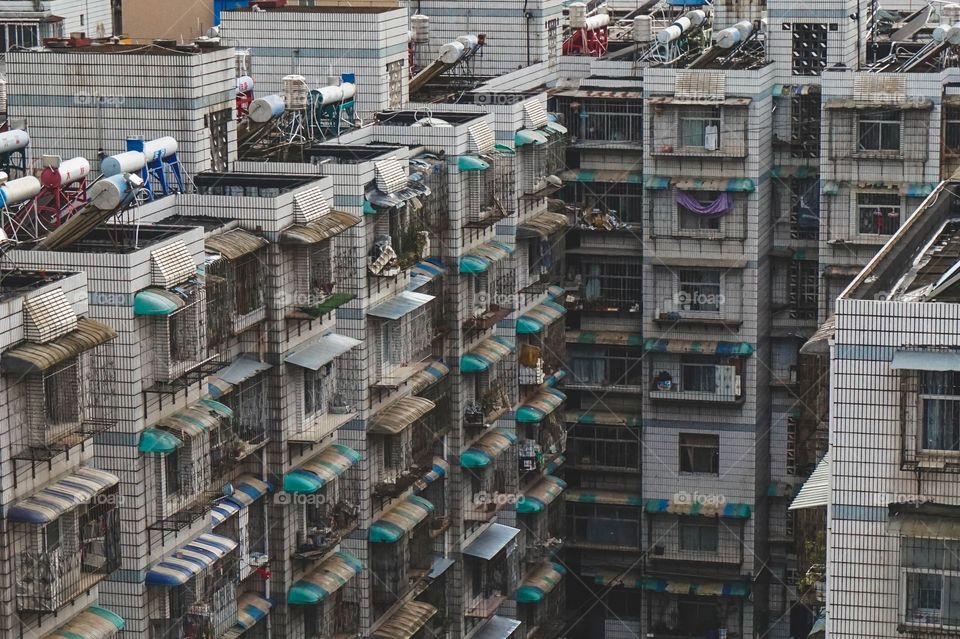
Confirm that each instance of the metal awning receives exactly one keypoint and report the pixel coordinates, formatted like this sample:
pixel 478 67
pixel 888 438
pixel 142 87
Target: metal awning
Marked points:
pixel 703 347
pixel 541 581
pixel 523 137
pixel 323 228
pixel 440 565
pixel 487 448
pixel 234 244
pixel 171 265
pixel 491 541
pixel 313 475
pixel 486 354
pixel 424 272
pixel 730 185
pixel 716 101
pixel 399 520
pixel 539 317
pixel 815 492
pixel 926 360
pixel 541 495
pixel 542 226
pixel 819 344
pixel 252 607
pixel 603 497
pixel 320 353
pixel 438 470
pixel 607 338
pixel 479 259
pixel 157 302
pixel 699 588
pixel 428 377
pixel 328 578
pixel 706 508
pixel 95 622
pixel 542 404
pixel 603 419
pixel 415 188
pixel 159 442
pixel 467 163
pixel 406 621
pixel 605 176
pixel 498 628
pixel 241 369
pixel 190 560
pixel 62 496
pixel 197 418
pixel 399 305
pixel 246 490
pixel 893 103
pixel 394 418
pixel 30 358
pixel 699 262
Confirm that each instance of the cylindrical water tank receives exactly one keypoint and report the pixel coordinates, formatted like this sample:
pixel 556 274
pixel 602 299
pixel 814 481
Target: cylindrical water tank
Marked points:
pixel 295 92
pixel 578 15
pixel 949 14
pixel 244 84
pixel 160 148
pixel 421 28
pixel 13 140
pixel 940 33
pixel 69 171
pixel 451 52
pixel 597 21
pixel 468 41
pixel 953 35
pixel 726 38
pixel 642 29
pixel 745 28
pixel 669 34
pixel 696 17
pixel 110 192
pixel 266 108
pixel 127 162
pixel 19 190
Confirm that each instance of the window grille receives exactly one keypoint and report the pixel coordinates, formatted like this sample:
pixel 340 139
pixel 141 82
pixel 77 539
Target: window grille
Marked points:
pixel 879 213
pixel 699 453
pixel 879 130
pixel 805 125
pixel 603 120
pixel 809 48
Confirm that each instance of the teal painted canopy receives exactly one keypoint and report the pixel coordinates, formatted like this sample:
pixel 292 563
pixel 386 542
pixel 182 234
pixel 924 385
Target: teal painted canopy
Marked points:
pixel 526 136
pixel 399 520
pixel 156 302
pixel 471 163
pixel 540 405
pixel 488 353
pixel 160 442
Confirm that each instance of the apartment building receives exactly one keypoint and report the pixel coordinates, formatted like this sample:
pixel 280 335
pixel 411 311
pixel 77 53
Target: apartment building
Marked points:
pixel 24 24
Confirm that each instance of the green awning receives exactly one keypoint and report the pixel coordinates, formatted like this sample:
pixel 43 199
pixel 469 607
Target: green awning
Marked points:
pixel 674 586
pixel 656 182
pixel 610 497
pixel 160 442
pixel 316 473
pixel 479 259
pixel 368 208
pixel 487 448
pixel 94 622
pixel 539 317
pixel 156 302
pixel 327 579
pixel 542 404
pixel 556 127
pixel 793 171
pixel 399 520
pixel 606 338
pixel 604 176
pixel 831 188
pixel 543 579
pixel 702 347
pixel 708 507
pixel 467 163
pixel 604 419
pixel 541 495
pixel 730 185
pixel 524 137
pixel 220 409
pixel 486 354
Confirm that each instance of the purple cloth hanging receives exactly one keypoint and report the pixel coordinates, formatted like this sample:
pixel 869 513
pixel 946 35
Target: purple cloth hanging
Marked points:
pixel 720 206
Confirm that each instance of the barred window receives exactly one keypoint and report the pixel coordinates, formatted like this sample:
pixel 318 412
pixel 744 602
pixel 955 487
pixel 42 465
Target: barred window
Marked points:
pixel 604 446
pixel 700 127
pixel 940 410
pixel 699 453
pixel 879 213
pixel 879 130
pixel 699 536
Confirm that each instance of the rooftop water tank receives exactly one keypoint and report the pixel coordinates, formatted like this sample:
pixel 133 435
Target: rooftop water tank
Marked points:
pixel 597 21
pixel 69 171
pixel 266 108
pixel 110 192
pixel 127 162
pixel 421 28
pixel 295 92
pixel 451 52
pixel 578 15
pixel 14 140
pixel 642 29
pixel 160 148
pixel 19 190
pixel 674 31
pixel 244 84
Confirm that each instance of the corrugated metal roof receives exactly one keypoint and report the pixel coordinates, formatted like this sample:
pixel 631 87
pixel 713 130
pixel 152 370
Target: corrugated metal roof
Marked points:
pixel 321 228
pixel 901 104
pixel 391 175
pixel 35 358
pixel 481 137
pixel 498 628
pixel 491 541
pixel 48 316
pixel 234 244
pixel 321 352
pixel 171 265
pixel 543 225
pixel 399 305
pixel 399 415
pixel 816 490
pixel 242 369
pixel 711 85
pixel 535 114
pixel 669 99
pixel 310 205
pixel 406 621
pixel 819 344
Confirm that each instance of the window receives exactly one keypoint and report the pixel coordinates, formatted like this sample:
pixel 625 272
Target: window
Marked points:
pixel 931 581
pixel 879 130
pixel 878 213
pixel 315 389
pixel 804 208
pixel 940 410
pixel 700 128
pixel 805 125
pixel 699 454
pixel 606 120
pixel 700 536
pixel 951 131
pixel 622 199
pixel 691 221
pixel 804 289
pixel 171 473
pixel 809 48
pixel 604 446
pixel 249 296
pixel 610 283
pixel 698 376
pixel 13 36
pixel 699 290
pixel 611 365
pixel 698 617
pixel 604 525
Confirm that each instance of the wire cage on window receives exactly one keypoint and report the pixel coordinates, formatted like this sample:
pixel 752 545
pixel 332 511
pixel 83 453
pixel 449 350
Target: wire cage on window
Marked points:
pixel 180 337
pixel 335 616
pixel 235 295
pixel 603 120
pixel 248 401
pixel 489 193
pixel 182 475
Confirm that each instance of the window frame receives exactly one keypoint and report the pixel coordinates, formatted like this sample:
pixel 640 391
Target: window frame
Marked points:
pixel 690 116
pixel 868 208
pixel 701 525
pixel 691 467
pixel 685 292
pixel 885 119
pixel 716 222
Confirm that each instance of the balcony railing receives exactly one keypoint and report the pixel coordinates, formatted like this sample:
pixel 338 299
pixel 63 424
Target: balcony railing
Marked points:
pixel 324 537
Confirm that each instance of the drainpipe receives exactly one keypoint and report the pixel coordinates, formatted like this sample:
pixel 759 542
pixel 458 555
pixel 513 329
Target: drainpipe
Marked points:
pixel 529 16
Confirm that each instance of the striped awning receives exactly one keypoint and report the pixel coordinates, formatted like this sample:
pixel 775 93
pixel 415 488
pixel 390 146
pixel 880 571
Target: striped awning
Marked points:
pixel 543 403
pixel 62 496
pixel 479 259
pixel 194 420
pixel 93 623
pixel 541 495
pixel 541 581
pixel 704 347
pixel 327 579
pixel 216 387
pixel 678 587
pixel 607 338
pixel 486 354
pixel 158 441
pixel 603 497
pixel 313 475
pixel 539 317
pixel 190 560
pixel 487 448
pixel 157 302
pixel 234 244
pixel 692 507
pixel 246 490
pixel 543 225
pixel 605 176
pixel 251 608
pixel 428 377
pixel 656 182
pixel 399 520
pixel 406 621
pixel 439 469
pixel 394 418
pixel 603 419
pixel 30 357
pixel 555 291
pixel 323 228
pixel 425 272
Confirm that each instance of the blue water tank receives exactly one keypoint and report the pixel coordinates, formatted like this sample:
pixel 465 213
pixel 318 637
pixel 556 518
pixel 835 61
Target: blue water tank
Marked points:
pixel 226 5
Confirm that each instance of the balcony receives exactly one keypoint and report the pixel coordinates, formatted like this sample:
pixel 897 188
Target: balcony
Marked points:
pixel 485 606
pixel 327 532
pixel 487 319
